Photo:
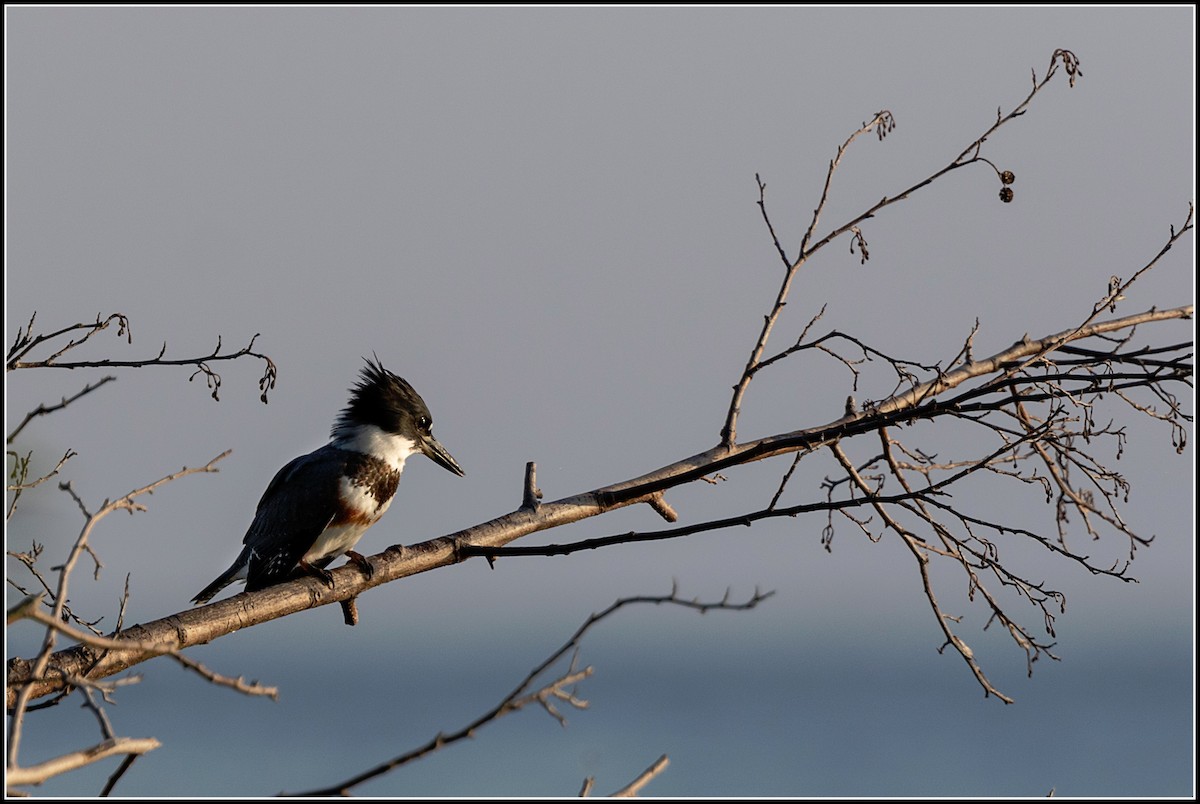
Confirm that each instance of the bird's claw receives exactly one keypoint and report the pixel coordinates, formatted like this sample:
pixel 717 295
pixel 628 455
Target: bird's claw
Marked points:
pixel 325 576
pixel 362 562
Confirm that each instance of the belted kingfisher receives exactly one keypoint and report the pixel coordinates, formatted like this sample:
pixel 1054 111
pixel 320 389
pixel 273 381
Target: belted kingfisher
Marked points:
pixel 319 505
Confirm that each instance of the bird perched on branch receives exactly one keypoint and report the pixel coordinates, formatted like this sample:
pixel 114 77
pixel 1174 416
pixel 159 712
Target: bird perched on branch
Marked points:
pixel 319 505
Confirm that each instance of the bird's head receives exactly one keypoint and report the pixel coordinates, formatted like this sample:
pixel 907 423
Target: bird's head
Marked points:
pixel 386 401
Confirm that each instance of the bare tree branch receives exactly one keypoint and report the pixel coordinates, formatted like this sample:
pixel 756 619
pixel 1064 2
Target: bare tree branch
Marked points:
pixel 19 475
pixel 920 403
pixel 42 410
pixel 645 777
pixel 882 123
pixel 54 621
pixel 26 341
pixel 36 774
pixel 523 694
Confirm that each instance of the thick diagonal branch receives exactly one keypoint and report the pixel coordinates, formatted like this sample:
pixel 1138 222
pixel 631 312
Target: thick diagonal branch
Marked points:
pixel 202 625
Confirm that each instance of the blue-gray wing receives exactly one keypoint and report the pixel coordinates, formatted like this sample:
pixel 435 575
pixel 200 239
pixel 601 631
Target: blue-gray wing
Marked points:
pixel 299 503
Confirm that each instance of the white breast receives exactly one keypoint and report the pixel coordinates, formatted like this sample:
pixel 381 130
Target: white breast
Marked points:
pixel 366 510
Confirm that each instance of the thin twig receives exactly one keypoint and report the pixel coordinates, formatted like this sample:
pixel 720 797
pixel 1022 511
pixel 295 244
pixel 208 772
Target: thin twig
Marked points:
pixel 633 788
pixel 524 693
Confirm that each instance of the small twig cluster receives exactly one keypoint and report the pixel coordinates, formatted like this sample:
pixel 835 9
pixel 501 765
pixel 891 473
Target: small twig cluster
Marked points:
pixel 76 335
pixel 55 621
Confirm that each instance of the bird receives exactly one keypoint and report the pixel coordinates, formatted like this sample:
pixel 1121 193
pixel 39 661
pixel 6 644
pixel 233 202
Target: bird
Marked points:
pixel 319 505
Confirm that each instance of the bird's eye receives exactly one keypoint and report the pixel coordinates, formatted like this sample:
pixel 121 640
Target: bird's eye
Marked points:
pixel 424 424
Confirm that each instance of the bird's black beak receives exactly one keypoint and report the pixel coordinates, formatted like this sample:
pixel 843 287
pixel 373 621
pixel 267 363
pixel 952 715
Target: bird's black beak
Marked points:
pixel 439 454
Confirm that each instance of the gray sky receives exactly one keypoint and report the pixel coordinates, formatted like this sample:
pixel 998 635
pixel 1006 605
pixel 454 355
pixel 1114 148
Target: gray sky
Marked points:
pixel 545 219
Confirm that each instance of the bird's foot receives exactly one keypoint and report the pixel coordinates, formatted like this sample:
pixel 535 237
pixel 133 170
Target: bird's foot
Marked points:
pixel 325 576
pixel 362 562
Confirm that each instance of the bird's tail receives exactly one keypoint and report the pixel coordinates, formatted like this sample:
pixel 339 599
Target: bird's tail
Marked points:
pixel 235 572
